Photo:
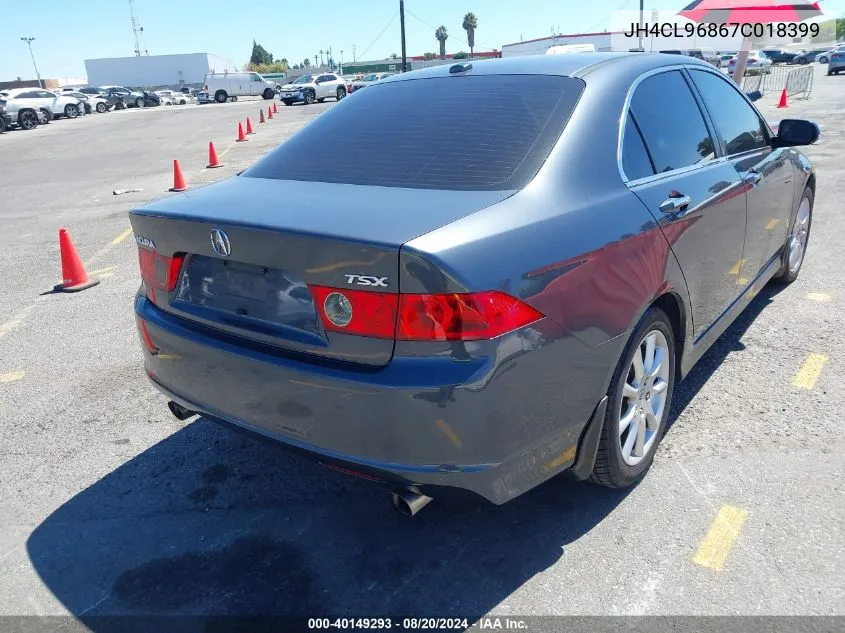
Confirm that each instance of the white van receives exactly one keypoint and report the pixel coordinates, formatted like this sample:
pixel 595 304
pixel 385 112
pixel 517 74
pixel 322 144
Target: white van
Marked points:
pixel 223 86
pixel 571 48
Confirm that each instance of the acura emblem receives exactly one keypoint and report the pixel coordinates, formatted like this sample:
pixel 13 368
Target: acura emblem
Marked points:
pixel 220 242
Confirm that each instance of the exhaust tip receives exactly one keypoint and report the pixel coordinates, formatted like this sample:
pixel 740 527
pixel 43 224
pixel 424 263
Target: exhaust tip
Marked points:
pixel 408 501
pixel 179 411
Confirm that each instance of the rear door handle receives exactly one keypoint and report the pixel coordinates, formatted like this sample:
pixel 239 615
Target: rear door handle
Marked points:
pixel 752 177
pixel 673 204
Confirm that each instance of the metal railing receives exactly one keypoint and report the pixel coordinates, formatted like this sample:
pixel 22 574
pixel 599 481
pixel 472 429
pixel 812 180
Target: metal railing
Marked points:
pixel 798 80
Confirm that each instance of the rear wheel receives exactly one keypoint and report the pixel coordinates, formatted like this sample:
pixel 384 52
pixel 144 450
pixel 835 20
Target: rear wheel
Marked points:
pixel 101 107
pixel 71 111
pixel 638 403
pixel 821 60
pixel 268 93
pixel 803 61
pixel 220 96
pixel 341 93
pixel 796 242
pixel 28 119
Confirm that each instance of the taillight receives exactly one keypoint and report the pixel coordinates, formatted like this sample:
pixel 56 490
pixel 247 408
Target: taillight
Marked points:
pixel 148 342
pixel 422 317
pixel 358 312
pixel 752 60
pixel 461 317
pixel 159 272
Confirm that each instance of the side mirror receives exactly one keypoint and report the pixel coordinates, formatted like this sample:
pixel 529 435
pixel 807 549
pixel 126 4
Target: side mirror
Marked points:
pixel 794 132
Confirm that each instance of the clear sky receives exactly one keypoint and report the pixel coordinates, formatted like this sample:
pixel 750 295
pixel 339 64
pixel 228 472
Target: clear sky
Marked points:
pixel 66 33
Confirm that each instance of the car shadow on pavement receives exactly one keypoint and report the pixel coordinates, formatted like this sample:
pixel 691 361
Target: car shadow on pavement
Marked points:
pixel 730 341
pixel 208 522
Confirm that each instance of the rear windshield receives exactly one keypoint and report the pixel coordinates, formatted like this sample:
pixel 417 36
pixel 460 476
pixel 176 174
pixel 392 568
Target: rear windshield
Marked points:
pixel 489 132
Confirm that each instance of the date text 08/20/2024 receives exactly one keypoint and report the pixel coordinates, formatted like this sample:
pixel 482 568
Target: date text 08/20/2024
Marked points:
pixel 729 29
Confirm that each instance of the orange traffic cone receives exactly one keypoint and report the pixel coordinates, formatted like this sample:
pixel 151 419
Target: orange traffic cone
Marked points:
pixel 249 129
pixel 241 136
pixel 212 157
pixel 261 116
pixel 74 277
pixel 275 109
pixel 782 102
pixel 269 112
pixel 178 178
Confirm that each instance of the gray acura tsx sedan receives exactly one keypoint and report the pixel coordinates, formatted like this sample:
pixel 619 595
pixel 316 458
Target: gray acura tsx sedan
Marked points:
pixel 500 276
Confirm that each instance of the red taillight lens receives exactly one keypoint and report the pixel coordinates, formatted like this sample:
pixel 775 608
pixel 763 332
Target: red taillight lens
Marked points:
pixel 148 342
pixel 461 317
pixel 370 314
pixel 418 317
pixel 160 272
pixel 752 60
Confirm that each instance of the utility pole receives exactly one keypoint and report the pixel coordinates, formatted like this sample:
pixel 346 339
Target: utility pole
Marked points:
pixel 402 27
pixel 341 61
pixel 354 48
pixel 29 41
pixel 640 33
pixel 315 60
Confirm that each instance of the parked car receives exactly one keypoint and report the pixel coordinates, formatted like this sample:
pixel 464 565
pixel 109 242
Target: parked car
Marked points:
pixel 824 58
pixel 22 113
pixel 176 98
pixel 132 98
pixel 369 80
pixel 778 55
pixel 461 269
pixel 92 102
pixel 707 54
pixel 204 97
pixel 59 104
pixel 5 117
pixel 224 86
pixel 150 99
pixel 724 58
pixel 755 61
pixel 837 62
pixel 311 88
pixel 809 56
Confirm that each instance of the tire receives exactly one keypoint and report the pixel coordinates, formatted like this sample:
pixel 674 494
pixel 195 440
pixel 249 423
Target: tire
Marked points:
pixel 139 102
pixel 308 97
pixel 613 468
pixel 799 234
pixel 101 107
pixel 803 61
pixel 235 98
pixel 27 119
pixel 71 111
pixel 220 96
pixel 341 93
pixel 822 60
pixel 269 93
pixel 47 117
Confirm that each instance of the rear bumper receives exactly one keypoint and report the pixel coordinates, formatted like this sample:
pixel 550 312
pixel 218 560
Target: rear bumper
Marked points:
pixel 424 421
pixel 836 65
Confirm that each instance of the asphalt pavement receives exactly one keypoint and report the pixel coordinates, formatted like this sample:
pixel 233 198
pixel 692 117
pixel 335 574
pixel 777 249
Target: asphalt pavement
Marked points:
pixel 111 506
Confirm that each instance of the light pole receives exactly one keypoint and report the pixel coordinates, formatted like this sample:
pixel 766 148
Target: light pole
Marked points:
pixel 29 41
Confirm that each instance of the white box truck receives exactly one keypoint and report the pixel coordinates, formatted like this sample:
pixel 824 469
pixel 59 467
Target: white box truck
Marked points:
pixel 224 86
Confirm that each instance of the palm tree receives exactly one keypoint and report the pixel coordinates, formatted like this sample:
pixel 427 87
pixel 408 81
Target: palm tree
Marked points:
pixel 469 25
pixel 441 34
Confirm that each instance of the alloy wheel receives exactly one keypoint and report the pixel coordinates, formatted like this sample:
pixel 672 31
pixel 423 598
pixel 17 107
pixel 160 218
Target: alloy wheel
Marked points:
pixel 643 398
pixel 798 237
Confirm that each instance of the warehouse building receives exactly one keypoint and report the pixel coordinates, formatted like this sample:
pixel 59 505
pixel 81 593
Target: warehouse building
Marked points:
pixel 156 70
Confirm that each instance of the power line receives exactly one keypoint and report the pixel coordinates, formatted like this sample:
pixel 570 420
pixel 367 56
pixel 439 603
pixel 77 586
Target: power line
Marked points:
pixel 604 20
pixel 378 37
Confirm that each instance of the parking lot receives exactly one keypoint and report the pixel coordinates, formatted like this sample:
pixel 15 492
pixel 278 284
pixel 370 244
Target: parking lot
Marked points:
pixel 111 506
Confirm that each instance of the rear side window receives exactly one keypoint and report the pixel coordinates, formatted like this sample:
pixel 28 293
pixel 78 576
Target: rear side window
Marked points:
pixel 489 132
pixel 735 121
pixel 635 160
pixel 671 122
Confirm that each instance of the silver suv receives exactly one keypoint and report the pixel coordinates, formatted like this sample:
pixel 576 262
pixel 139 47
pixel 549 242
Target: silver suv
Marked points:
pixel 311 88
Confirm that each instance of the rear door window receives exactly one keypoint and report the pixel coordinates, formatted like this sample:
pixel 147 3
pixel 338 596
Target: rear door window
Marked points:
pixel 671 122
pixel 735 121
pixel 636 162
pixel 489 132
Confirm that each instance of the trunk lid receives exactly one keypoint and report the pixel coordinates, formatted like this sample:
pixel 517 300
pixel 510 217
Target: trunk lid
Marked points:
pixel 284 236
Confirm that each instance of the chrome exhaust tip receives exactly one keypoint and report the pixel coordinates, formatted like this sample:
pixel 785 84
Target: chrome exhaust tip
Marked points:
pixel 408 501
pixel 179 411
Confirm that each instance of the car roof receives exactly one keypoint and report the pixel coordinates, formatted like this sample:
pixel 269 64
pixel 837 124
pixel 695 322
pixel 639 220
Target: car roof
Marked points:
pixel 572 65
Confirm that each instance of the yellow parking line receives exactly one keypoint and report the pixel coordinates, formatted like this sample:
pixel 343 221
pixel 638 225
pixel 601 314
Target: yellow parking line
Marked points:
pixel 821 297
pixel 810 371
pixel 11 376
pixel 772 224
pixel 121 237
pixel 448 432
pixel 737 267
pixel 13 323
pixel 719 540
pixel 226 151
pixel 103 272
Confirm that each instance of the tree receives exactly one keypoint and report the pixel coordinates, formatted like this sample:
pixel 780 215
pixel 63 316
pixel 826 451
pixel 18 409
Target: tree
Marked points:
pixel 296 66
pixel 284 62
pixel 394 56
pixel 469 25
pixel 460 55
pixel 840 29
pixel 441 35
pixel 259 55
pixel 430 56
pixel 306 63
